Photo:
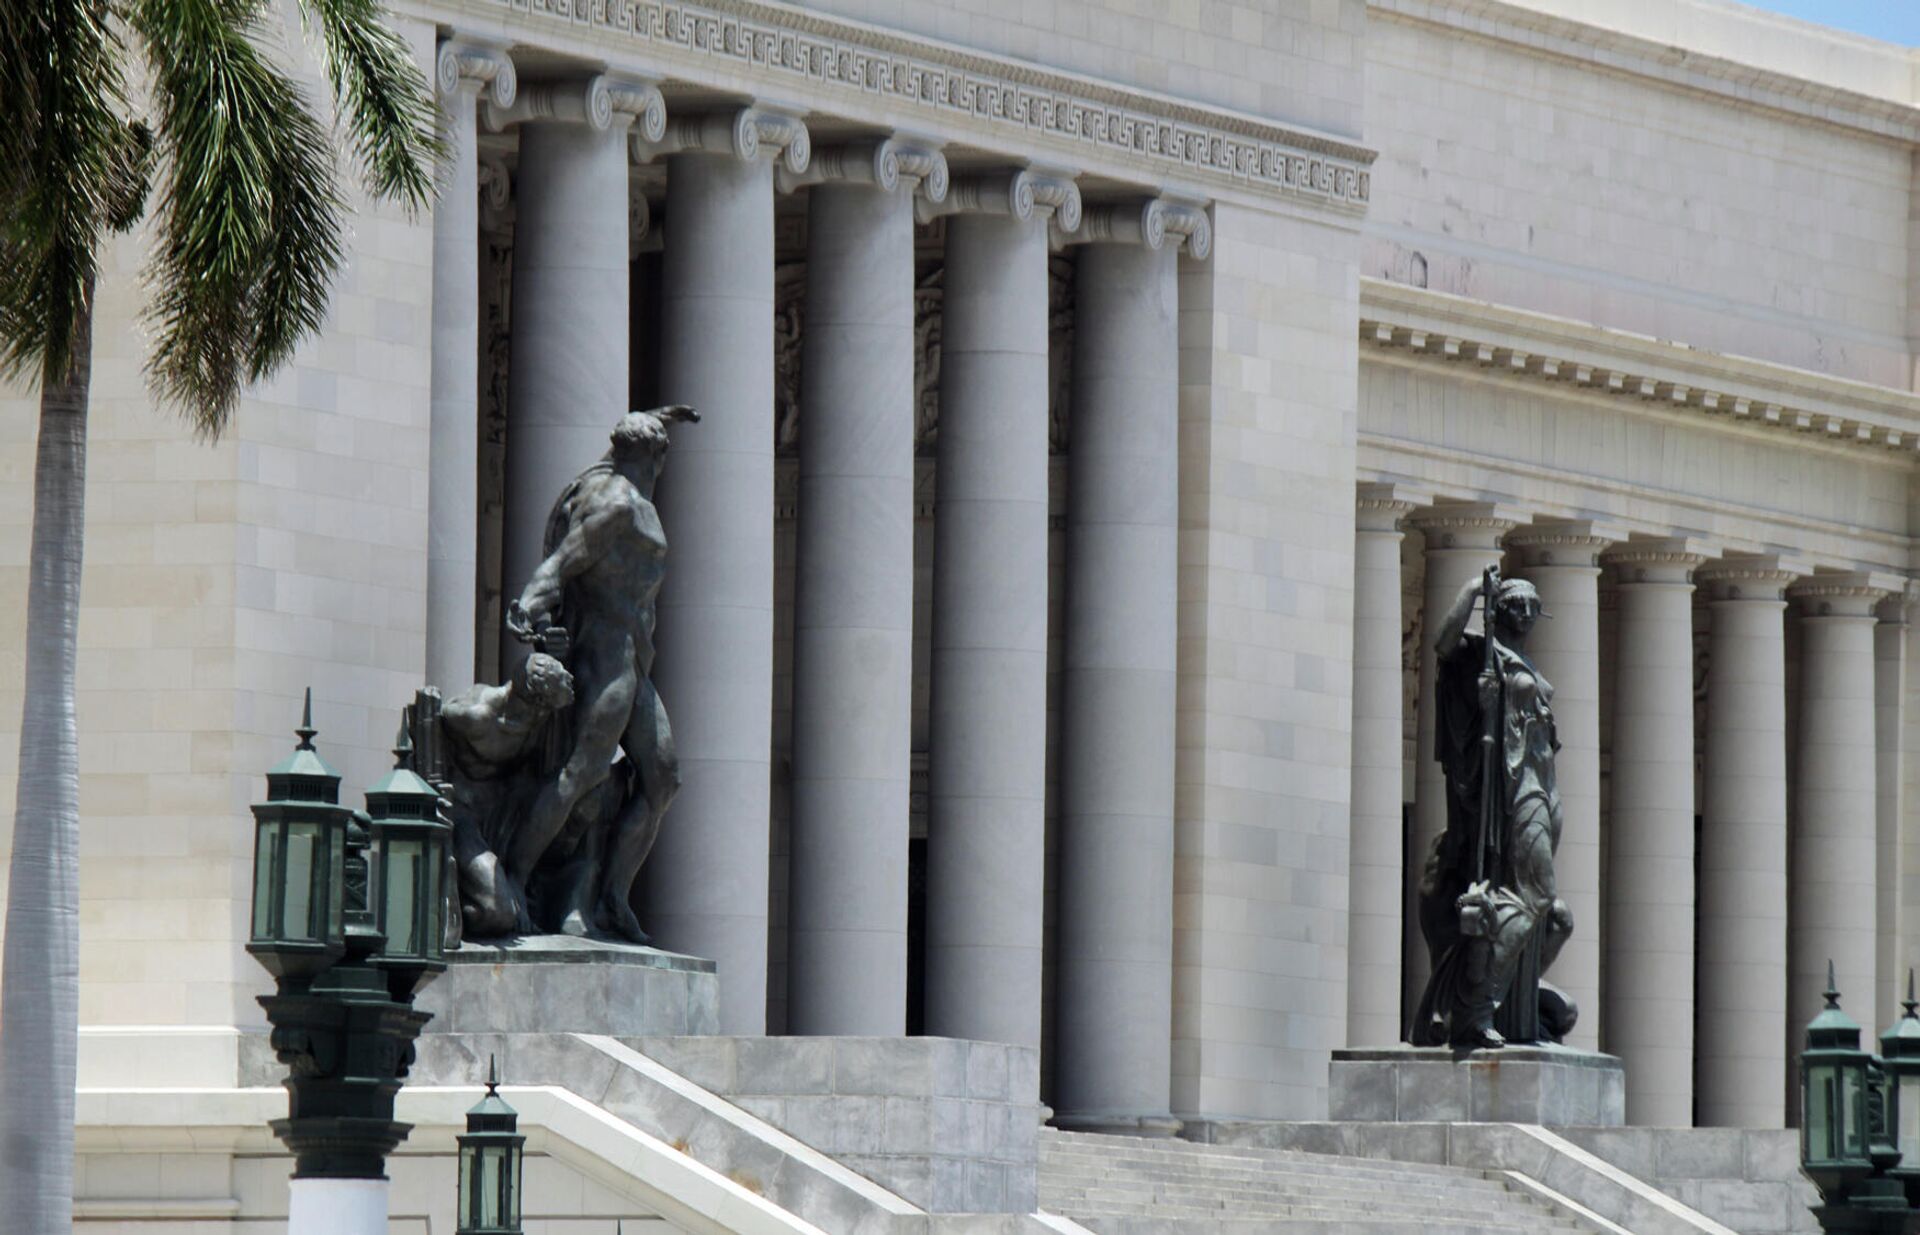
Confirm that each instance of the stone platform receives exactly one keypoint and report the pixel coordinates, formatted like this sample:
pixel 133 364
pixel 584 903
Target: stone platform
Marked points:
pixel 560 984
pixel 1549 1085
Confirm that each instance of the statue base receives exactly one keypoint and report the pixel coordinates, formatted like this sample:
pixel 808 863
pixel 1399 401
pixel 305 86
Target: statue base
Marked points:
pixel 560 984
pixel 1551 1085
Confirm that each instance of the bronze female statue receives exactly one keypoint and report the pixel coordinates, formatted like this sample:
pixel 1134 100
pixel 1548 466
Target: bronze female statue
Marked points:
pixel 1489 906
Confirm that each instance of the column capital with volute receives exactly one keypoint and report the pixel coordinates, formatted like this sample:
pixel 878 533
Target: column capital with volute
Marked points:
pixel 748 133
pixel 1466 525
pixel 1149 221
pixel 602 101
pixel 1379 506
pixel 1749 577
pixel 464 62
pixel 887 163
pixel 1668 560
pixel 1022 193
pixel 1564 542
pixel 1850 594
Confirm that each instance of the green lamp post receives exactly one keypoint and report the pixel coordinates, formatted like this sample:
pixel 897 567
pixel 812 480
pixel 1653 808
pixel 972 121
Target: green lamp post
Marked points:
pixel 342 1008
pixel 1847 1103
pixel 410 842
pixel 1900 1056
pixel 490 1163
pixel 299 864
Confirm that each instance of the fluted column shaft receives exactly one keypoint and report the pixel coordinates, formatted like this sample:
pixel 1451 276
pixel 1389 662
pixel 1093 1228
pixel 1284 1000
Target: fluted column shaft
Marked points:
pixel 1115 993
pixel 1741 1069
pixel 1650 874
pixel 1560 560
pixel 707 878
pixel 1376 862
pixel 853 617
pixel 567 372
pixel 1890 711
pixel 1461 541
pixel 987 688
pixel 1833 890
pixel 462 70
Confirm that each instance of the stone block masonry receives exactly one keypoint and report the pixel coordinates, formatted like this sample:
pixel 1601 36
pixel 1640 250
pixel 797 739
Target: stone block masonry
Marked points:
pixel 947 1124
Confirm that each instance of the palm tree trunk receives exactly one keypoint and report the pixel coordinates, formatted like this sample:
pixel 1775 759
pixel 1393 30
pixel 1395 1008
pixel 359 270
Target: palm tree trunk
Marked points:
pixel 40 983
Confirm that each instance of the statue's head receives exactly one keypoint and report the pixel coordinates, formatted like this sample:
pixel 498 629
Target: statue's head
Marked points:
pixel 644 434
pixel 544 682
pixel 1516 605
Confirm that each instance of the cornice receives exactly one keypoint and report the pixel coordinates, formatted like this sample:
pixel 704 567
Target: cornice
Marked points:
pixel 1681 67
pixel 1412 325
pixel 853 65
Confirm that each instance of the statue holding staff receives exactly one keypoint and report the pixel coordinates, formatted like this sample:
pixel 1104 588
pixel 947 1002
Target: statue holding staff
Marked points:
pixel 1489 906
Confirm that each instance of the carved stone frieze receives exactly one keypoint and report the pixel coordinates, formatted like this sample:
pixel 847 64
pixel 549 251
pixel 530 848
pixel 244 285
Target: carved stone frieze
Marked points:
pixel 947 84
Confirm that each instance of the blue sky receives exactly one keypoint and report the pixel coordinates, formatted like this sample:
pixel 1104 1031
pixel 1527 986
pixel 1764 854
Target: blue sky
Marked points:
pixel 1897 21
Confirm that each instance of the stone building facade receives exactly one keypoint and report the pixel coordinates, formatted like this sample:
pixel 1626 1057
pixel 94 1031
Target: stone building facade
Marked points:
pixel 1096 398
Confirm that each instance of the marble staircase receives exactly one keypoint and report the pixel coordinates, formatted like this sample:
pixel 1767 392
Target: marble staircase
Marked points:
pixel 1117 1185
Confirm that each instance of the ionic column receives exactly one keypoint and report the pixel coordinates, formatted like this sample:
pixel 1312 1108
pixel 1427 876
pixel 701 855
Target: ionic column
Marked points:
pixel 987 704
pixel 1114 989
pixel 1741 1066
pixel 707 878
pixel 853 593
pixel 1833 892
pixel 1463 539
pixel 462 69
pixel 1890 713
pixel 1376 863
pixel 1649 881
pixel 1560 559
pixel 567 375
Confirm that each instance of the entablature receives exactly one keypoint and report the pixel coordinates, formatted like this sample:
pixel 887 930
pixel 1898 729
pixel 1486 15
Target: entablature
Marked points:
pixel 1410 325
pixel 950 94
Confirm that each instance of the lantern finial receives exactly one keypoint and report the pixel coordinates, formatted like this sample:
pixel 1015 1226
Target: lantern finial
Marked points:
pixel 306 731
pixel 403 747
pixel 493 1075
pixel 1833 991
pixel 1910 1003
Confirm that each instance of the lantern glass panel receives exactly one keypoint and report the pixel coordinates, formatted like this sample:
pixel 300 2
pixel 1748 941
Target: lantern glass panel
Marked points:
pixel 467 1181
pixel 298 916
pixel 1907 1105
pixel 402 876
pixel 492 1160
pixel 265 850
pixel 336 886
pixel 1821 1115
pixel 1854 1110
pixel 513 1190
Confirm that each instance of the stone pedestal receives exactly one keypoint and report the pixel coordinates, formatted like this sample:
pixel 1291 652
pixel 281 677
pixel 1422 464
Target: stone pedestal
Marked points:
pixel 559 984
pixel 1549 1085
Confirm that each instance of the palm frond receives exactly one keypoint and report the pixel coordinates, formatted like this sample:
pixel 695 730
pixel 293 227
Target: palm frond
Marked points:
pixel 250 218
pixel 62 172
pixel 383 99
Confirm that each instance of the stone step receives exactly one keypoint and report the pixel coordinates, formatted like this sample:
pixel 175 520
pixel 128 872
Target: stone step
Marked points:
pixel 1254 1195
pixel 1334 1226
pixel 1119 1185
pixel 1344 1171
pixel 1516 1213
pixel 1108 1148
pixel 1060 1169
